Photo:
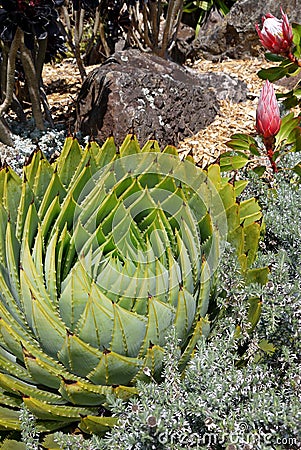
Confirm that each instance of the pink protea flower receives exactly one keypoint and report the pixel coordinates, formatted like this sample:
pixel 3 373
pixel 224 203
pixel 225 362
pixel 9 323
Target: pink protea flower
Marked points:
pixel 276 35
pixel 268 119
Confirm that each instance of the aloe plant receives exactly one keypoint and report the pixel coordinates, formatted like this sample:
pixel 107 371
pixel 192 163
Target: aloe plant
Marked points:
pixel 101 253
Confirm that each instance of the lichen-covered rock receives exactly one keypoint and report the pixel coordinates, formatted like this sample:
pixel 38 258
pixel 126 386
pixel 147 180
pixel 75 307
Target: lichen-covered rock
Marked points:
pixel 143 92
pixel 152 97
pixel 235 35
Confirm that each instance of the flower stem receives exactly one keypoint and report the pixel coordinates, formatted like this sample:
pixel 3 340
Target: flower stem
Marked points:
pixel 294 59
pixel 270 153
pixel 269 143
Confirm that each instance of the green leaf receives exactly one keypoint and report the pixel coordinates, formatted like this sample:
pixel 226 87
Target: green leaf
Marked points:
pixel 115 369
pixel 259 275
pixel 266 347
pixel 97 425
pixel 259 170
pixel 297 169
pixel 69 160
pixel 297 39
pixel 242 143
pixel 130 146
pixel 13 445
pixel 229 162
pixel 273 73
pixel 254 312
pixel 249 211
pixel 273 57
pixel 46 411
pixel 288 124
pixel 240 186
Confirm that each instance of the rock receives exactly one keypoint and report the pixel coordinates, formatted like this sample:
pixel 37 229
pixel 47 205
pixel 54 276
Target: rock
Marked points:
pixel 235 36
pixel 183 42
pixel 225 86
pixel 150 96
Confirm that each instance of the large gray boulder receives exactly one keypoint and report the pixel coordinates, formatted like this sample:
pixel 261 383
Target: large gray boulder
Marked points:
pixel 153 97
pixel 235 36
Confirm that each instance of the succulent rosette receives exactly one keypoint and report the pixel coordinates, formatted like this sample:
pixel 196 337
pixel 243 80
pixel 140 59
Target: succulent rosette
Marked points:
pixel 102 252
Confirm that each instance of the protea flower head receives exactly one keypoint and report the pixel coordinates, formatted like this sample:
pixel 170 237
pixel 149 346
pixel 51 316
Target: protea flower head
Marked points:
pixel 276 34
pixel 268 119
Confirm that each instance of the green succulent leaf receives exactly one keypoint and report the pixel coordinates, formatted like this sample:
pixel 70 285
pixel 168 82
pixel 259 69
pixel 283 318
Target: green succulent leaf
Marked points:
pixel 101 253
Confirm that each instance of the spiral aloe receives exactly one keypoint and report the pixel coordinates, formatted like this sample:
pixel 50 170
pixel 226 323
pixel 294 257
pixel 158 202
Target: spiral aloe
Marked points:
pixel 101 253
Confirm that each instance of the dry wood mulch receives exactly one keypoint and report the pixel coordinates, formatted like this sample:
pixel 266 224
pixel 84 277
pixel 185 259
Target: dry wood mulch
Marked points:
pixel 233 118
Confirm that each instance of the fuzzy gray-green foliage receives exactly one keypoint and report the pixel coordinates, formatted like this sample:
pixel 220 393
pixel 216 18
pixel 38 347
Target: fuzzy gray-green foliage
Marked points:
pixel 28 430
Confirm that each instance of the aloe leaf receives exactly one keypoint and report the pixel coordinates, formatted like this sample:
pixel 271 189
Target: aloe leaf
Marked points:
pixel 49 217
pixel 10 366
pixel 84 394
pixel 27 197
pixel 47 411
pixel 205 289
pixel 50 267
pixel 105 154
pixel 12 261
pixel 75 291
pixel 12 384
pixel 185 314
pixel 151 146
pixel 3 225
pixel 62 248
pixel 68 161
pixel 9 419
pixel 40 317
pixel 11 193
pixel 10 400
pixel 42 372
pixel 185 265
pixel 97 425
pixel 160 317
pixel 78 356
pixel 8 304
pixel 38 251
pixel 124 340
pixel 114 369
pixel 42 179
pixel 130 146
pixel 31 167
pixel 97 320
pixel 66 214
pixel 54 190
pixel 201 329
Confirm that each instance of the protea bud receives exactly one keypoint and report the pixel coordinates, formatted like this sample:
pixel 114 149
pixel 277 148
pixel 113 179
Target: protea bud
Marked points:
pixel 268 115
pixel 276 34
